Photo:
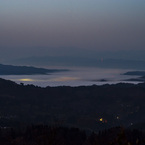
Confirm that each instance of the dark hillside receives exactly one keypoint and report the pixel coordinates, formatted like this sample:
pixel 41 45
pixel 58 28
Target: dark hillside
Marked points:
pixel 89 107
pixel 25 70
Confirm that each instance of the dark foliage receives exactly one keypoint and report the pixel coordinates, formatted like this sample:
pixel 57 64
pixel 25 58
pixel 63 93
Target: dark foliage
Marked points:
pixel 44 135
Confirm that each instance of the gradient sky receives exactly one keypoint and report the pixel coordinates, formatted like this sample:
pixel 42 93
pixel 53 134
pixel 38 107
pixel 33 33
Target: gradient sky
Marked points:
pixel 54 27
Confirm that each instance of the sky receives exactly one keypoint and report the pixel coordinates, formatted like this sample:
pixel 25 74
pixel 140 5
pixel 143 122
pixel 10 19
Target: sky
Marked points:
pixel 70 27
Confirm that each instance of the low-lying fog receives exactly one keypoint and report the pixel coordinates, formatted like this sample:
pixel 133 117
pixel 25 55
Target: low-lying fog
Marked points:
pixel 74 77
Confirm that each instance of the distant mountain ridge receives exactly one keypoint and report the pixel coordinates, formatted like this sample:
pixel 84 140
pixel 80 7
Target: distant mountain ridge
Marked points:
pixel 136 73
pixel 83 61
pixel 25 70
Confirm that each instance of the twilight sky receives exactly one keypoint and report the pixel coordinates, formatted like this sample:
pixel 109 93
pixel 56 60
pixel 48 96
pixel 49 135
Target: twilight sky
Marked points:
pixel 65 27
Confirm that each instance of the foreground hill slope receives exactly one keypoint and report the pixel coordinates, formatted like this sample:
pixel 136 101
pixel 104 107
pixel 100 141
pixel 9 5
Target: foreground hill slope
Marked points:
pixel 89 107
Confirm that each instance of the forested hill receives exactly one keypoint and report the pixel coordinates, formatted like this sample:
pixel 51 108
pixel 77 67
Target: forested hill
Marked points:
pixel 25 70
pixel 89 107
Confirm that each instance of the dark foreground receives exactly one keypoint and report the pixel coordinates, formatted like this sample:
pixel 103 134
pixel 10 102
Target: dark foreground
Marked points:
pixel 44 135
pixel 90 108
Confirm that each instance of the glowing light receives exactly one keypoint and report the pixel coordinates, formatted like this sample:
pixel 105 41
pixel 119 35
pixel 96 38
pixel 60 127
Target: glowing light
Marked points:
pixel 117 117
pixel 101 119
pixel 26 80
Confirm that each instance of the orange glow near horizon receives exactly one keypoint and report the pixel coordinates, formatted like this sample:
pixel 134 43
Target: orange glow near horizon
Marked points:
pixel 26 80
